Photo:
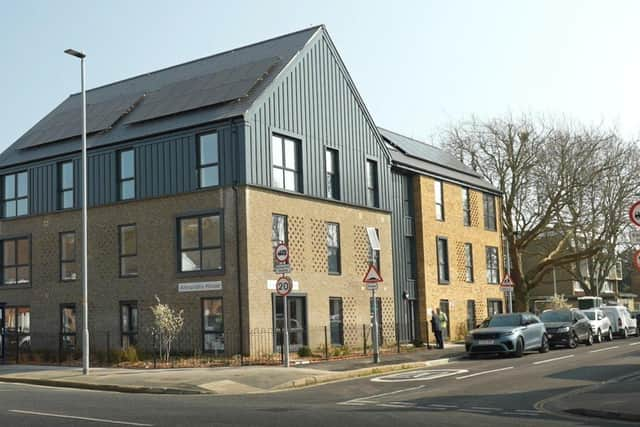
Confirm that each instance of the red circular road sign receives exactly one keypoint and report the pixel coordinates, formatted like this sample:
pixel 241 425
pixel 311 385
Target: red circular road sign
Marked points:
pixel 281 253
pixel 636 260
pixel 284 286
pixel 634 213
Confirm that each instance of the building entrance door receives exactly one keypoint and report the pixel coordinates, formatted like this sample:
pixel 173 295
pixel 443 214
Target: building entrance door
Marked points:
pixel 446 330
pixel 297 312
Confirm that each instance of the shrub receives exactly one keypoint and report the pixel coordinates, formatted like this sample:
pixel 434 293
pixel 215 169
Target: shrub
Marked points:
pixel 130 354
pixel 304 351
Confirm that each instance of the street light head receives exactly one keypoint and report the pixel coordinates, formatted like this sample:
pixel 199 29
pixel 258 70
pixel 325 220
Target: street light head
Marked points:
pixel 75 53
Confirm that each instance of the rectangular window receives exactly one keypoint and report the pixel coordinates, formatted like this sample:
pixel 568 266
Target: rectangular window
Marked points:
pixel 471 315
pixel 208 160
pixel 128 237
pixel 278 232
pixel 16 261
pixel 68 327
pixel 494 306
pixel 468 262
pixel 129 324
pixel 127 174
pixel 492 265
pixel 489 202
pixel 375 255
pixel 287 170
pixel 200 243
pixel 335 321
pixel 15 195
pixel 333 247
pixel 443 260
pixel 212 325
pixel 65 185
pixel 68 265
pixel 17 319
pixel 466 207
pixel 333 174
pixel 439 198
pixel 372 184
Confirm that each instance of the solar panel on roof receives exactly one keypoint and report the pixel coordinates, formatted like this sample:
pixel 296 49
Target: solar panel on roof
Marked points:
pixel 202 91
pixel 66 121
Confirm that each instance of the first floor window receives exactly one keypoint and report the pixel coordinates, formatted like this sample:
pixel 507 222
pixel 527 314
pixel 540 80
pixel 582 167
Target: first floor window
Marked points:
pixel 439 198
pixel 494 306
pixel 128 236
pixel 287 170
pixel 212 325
pixel 443 260
pixel 65 198
pixel 200 243
pixel 68 327
pixel 208 173
pixel 466 207
pixel 68 265
pixel 127 174
pixel 490 221
pixel 468 262
pixel 15 195
pixel 16 261
pixel 492 265
pixel 333 247
pixel 373 196
pixel 129 324
pixel 335 321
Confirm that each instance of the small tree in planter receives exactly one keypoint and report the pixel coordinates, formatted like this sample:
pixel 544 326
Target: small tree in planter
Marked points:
pixel 167 324
pixel 559 302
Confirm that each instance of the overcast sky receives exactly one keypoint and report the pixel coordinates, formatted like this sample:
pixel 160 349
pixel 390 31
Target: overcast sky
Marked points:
pixel 418 65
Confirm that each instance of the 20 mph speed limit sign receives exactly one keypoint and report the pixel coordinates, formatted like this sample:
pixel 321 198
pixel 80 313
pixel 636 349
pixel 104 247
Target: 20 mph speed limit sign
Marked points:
pixel 284 285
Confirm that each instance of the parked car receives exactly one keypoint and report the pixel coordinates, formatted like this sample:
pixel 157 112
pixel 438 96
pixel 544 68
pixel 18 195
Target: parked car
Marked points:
pixel 508 334
pixel 567 327
pixel 600 324
pixel 621 320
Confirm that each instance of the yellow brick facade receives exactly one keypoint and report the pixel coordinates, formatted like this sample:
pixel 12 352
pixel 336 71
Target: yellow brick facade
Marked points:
pixel 428 229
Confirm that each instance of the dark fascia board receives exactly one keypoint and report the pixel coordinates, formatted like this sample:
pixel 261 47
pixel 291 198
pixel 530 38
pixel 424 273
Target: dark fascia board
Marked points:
pixel 406 168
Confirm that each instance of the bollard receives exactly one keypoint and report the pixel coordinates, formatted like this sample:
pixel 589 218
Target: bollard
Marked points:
pixel 281 347
pixel 398 337
pixel 108 347
pixel 364 338
pixel 326 344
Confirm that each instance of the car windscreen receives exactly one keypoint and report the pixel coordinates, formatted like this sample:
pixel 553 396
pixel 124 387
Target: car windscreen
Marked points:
pixel 590 315
pixel 500 321
pixel 556 316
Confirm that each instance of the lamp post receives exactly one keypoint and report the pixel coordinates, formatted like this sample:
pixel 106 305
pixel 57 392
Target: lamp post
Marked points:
pixel 85 305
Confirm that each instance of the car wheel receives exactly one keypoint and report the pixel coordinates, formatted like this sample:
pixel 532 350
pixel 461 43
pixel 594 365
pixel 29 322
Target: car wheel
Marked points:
pixel 610 335
pixel 544 346
pixel 519 348
pixel 599 337
pixel 573 340
pixel 589 340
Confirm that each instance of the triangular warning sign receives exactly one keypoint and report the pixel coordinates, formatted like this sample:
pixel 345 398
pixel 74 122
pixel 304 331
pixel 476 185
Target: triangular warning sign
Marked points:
pixel 507 281
pixel 372 275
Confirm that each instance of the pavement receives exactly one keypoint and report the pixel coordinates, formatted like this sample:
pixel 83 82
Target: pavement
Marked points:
pixel 225 380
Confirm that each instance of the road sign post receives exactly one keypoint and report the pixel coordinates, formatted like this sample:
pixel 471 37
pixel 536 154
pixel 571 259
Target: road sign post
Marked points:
pixel 283 287
pixel 506 286
pixel 372 278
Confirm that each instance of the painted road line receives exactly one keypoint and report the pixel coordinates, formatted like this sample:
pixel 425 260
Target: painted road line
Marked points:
pixel 528 414
pixel 435 405
pixel 634 343
pixel 531 411
pixel 428 408
pixel 391 405
pixel 72 417
pixel 486 409
pixel 403 403
pixel 553 360
pixel 604 349
pixel 365 399
pixel 484 372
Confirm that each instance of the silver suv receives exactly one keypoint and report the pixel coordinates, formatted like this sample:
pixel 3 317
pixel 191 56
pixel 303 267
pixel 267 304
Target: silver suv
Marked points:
pixel 600 324
pixel 511 334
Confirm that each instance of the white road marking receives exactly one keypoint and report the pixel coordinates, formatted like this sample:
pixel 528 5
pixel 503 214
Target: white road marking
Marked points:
pixel 72 417
pixel 528 414
pixel 484 372
pixel 604 349
pixel 486 409
pixel 474 411
pixel 553 360
pixel 365 399
pixel 391 405
pixel 353 403
pixel 435 405
pixel 427 408
pixel 634 343
pixel 422 375
pixel 404 403
pixel 530 411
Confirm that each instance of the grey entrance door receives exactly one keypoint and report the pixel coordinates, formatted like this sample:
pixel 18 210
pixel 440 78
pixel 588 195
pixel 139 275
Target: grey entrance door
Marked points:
pixel 297 311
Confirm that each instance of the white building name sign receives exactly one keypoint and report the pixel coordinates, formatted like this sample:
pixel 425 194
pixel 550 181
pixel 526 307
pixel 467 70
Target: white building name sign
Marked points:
pixel 199 286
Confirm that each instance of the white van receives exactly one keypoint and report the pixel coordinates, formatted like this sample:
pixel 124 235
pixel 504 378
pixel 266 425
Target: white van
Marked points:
pixel 621 321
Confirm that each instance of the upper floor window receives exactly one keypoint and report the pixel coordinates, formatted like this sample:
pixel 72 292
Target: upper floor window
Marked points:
pixel 492 265
pixel 127 174
pixel 208 160
pixel 333 247
pixel 333 174
pixel 490 222
pixel 15 196
pixel 16 261
pixel 372 184
pixel 439 198
pixel 287 171
pixel 200 243
pixel 443 260
pixel 68 264
pixel 128 237
pixel 65 185
pixel 466 207
pixel 468 262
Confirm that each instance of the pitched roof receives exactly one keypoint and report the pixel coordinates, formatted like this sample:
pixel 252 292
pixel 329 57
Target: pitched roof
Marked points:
pixel 417 156
pixel 201 91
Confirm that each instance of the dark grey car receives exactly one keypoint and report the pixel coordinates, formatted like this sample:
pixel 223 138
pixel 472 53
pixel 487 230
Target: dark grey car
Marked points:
pixel 567 327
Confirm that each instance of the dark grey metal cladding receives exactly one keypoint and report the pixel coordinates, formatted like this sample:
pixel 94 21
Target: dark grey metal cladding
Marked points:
pixel 101 178
pixel 316 102
pixel 42 188
pixel 403 241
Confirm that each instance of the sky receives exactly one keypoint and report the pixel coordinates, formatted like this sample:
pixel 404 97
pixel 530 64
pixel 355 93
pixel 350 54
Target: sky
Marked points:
pixel 419 65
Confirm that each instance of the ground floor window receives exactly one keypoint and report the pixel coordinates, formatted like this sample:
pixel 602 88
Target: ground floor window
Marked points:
pixel 68 327
pixel 129 324
pixel 212 325
pixel 494 306
pixel 297 313
pixel 335 321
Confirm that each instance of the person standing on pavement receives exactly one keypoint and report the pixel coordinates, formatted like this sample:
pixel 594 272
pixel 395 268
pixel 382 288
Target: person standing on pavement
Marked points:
pixel 443 324
pixel 435 326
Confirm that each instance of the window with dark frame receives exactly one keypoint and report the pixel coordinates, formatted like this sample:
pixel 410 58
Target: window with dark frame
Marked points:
pixel 200 243
pixel 490 221
pixel 128 238
pixel 66 185
pixel 492 265
pixel 494 306
pixel 126 174
pixel 279 232
pixel 439 199
pixel 212 325
pixel 15 195
pixel 68 327
pixel 16 261
pixel 332 169
pixel 376 255
pixel 333 248
pixel 466 207
pixel 128 324
pixel 68 265
pixel 468 262
pixel 443 260
pixel 373 197
pixel 336 321
pixel 17 319
pixel 208 160
pixel 286 168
